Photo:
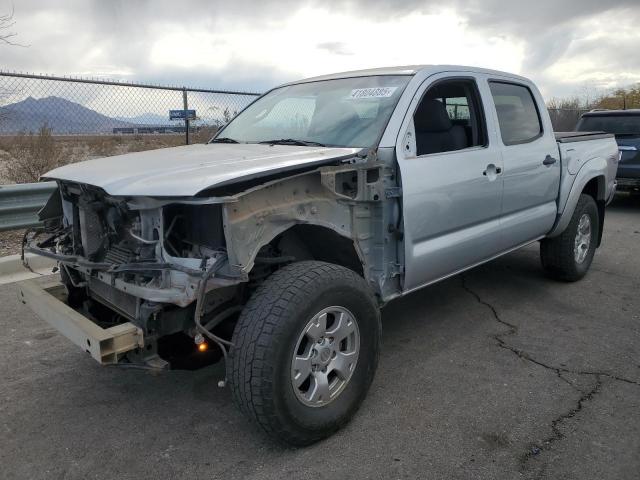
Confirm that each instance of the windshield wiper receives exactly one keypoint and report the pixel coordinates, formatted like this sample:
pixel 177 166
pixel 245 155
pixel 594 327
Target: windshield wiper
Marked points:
pixel 293 141
pixel 224 140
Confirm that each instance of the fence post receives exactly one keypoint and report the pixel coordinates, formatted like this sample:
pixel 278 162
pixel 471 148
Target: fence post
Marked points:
pixel 185 106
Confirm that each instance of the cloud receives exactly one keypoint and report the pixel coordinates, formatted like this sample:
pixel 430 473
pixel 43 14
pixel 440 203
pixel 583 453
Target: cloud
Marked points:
pixel 254 45
pixel 338 48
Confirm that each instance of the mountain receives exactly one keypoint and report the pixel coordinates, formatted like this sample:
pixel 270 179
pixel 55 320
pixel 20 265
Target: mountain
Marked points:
pixel 59 114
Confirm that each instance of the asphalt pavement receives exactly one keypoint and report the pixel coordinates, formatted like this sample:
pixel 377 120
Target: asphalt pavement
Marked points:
pixel 497 373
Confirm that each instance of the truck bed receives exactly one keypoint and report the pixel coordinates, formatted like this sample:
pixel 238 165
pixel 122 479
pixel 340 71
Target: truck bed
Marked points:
pixel 570 137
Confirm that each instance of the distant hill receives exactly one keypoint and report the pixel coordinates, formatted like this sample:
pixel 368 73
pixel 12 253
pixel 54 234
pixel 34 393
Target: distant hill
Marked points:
pixel 62 116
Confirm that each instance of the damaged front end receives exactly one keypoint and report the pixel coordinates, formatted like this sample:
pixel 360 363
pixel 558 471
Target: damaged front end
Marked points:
pixel 181 268
pixel 138 260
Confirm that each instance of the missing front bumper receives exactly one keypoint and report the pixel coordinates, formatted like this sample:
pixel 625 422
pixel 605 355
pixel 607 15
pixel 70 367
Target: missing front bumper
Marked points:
pixel 181 289
pixel 107 346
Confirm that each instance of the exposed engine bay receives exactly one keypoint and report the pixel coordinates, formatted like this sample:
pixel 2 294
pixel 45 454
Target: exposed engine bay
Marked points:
pixel 121 262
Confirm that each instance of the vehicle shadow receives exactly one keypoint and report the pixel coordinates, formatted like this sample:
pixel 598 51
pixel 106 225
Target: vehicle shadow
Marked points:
pixel 625 202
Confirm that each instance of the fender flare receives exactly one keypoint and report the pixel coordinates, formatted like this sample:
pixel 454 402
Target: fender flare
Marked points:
pixel 593 168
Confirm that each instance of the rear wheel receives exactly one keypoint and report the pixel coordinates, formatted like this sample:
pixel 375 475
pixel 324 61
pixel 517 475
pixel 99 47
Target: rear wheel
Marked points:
pixel 305 351
pixel 568 256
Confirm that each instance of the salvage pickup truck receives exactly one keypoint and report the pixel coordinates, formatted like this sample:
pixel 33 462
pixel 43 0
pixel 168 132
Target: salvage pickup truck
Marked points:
pixel 276 244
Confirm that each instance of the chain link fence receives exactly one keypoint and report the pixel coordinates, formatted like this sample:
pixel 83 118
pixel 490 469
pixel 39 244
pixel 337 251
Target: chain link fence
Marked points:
pixel 47 121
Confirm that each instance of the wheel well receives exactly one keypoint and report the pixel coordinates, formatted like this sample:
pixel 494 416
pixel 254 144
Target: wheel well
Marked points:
pixel 596 189
pixel 313 242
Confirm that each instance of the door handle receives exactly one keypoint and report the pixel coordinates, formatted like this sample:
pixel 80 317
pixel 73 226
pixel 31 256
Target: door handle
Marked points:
pixel 549 160
pixel 491 166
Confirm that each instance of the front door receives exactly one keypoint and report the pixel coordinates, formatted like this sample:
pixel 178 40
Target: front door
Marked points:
pixel 451 171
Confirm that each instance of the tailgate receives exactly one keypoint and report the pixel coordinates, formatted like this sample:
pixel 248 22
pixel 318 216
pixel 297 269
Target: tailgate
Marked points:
pixel 106 345
pixel 629 166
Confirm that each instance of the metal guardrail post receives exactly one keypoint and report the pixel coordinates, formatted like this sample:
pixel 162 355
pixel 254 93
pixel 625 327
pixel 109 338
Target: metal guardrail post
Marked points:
pixel 19 204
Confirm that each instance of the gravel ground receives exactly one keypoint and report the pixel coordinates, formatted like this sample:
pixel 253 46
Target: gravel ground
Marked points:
pixel 498 373
pixel 10 242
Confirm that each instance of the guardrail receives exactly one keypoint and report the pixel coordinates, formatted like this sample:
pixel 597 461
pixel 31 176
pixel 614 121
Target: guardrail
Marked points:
pixel 19 204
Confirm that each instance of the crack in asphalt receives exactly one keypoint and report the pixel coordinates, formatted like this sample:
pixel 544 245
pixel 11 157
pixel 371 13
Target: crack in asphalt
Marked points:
pixel 536 449
pixel 513 329
pixel 586 395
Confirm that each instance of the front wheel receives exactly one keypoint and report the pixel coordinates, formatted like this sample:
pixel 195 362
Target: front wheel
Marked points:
pixel 568 256
pixel 305 351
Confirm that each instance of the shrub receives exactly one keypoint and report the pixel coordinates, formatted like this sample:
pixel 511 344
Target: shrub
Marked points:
pixel 32 155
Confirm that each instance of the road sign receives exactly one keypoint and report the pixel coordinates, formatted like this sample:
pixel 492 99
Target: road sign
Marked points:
pixel 182 114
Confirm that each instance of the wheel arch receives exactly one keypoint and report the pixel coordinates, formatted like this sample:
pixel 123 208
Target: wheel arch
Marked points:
pixel 299 216
pixel 342 211
pixel 308 241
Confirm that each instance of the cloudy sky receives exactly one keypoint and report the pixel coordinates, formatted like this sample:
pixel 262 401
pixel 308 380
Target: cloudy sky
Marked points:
pixel 566 46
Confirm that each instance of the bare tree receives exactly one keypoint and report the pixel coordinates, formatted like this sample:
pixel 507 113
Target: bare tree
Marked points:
pixel 6 24
pixel 6 38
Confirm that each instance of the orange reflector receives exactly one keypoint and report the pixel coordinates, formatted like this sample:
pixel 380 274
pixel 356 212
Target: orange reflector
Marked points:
pixel 203 347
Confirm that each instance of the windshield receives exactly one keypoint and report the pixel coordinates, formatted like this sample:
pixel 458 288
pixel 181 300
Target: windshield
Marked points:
pixel 617 124
pixel 347 112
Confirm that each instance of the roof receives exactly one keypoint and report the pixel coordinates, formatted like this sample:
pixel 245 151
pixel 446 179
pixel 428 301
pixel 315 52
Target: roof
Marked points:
pixel 403 70
pixel 400 70
pixel 610 113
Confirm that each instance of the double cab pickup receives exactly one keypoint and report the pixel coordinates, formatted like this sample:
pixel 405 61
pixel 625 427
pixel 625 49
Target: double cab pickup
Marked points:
pixel 275 244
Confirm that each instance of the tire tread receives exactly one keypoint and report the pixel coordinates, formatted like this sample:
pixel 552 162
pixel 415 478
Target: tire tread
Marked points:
pixel 556 254
pixel 250 366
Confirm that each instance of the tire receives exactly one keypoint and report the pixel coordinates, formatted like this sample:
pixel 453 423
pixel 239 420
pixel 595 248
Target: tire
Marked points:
pixel 276 326
pixel 567 257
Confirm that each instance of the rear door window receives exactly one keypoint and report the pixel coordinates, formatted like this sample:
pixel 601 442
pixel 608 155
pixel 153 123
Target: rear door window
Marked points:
pixel 518 114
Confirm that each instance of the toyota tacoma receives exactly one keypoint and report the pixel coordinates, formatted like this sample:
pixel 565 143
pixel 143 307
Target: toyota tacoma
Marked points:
pixel 275 244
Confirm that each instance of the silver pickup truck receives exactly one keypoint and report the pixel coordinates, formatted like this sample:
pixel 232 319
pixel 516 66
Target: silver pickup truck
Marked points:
pixel 276 244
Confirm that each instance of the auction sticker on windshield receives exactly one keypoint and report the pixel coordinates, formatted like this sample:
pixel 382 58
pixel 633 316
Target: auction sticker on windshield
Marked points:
pixel 375 92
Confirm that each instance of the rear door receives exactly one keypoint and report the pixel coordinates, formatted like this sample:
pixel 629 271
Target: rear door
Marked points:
pixel 451 179
pixel 531 162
